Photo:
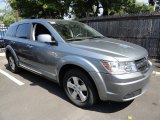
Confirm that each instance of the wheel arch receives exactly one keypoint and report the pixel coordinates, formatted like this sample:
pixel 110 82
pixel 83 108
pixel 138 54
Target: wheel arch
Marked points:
pixel 72 62
pixel 68 67
pixel 9 50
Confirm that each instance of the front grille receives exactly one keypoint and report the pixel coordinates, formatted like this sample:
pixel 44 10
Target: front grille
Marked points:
pixel 142 64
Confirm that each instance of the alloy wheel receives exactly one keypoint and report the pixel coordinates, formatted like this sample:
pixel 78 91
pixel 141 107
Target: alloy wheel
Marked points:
pixel 11 63
pixel 77 89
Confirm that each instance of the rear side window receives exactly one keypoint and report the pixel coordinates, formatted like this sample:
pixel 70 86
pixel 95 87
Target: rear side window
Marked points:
pixel 11 31
pixel 23 31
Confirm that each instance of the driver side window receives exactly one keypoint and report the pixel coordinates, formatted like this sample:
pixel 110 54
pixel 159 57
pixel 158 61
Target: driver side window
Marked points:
pixel 39 29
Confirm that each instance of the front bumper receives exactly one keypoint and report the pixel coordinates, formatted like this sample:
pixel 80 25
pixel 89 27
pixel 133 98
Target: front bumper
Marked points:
pixel 122 87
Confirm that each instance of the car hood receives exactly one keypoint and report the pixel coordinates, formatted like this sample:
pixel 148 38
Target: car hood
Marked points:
pixel 121 50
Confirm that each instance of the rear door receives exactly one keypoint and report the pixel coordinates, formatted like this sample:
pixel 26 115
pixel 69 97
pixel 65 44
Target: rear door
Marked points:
pixel 10 38
pixel 22 40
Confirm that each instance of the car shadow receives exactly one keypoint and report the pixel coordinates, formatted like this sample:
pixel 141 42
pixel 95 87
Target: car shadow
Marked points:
pixel 157 63
pixel 109 106
pixel 100 106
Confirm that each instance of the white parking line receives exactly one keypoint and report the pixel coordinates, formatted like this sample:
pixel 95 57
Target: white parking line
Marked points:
pixel 2 54
pixel 156 73
pixel 11 78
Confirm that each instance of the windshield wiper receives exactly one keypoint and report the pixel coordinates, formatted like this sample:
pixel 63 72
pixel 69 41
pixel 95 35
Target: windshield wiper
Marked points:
pixel 85 38
pixel 75 39
pixel 96 37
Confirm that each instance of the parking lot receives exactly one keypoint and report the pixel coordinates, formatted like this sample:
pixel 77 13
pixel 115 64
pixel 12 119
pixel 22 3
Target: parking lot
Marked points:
pixel 26 96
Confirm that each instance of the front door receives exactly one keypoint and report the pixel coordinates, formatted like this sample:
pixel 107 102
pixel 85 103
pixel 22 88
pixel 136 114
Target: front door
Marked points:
pixel 44 54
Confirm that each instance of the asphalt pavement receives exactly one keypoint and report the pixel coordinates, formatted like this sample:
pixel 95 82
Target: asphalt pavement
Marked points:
pixel 37 98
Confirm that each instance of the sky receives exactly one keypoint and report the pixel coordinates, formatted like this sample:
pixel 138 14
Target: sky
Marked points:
pixel 2 4
pixel 145 1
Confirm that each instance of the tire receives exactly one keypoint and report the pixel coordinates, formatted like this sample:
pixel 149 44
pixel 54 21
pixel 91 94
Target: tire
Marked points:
pixel 12 64
pixel 79 88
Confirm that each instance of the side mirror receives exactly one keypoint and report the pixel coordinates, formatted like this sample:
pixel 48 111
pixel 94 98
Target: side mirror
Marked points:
pixel 46 38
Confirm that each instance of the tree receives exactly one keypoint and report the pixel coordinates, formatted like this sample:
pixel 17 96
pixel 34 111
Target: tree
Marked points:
pixel 8 17
pixel 80 8
pixel 40 8
pixel 151 2
pixel 124 6
pixel 83 8
pixel 138 8
pixel 156 4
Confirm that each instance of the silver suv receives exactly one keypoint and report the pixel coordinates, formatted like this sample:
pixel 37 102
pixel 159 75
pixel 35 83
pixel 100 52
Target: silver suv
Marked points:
pixel 85 63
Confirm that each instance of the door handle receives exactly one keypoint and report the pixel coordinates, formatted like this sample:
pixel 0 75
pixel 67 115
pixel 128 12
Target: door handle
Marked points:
pixel 29 46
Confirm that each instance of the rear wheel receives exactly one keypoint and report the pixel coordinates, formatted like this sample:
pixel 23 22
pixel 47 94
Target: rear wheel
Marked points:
pixel 79 88
pixel 12 64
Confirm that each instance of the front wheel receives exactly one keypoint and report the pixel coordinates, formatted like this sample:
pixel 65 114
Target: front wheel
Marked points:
pixel 12 64
pixel 79 88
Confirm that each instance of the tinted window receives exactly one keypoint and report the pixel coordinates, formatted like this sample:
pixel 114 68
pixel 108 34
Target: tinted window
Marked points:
pixel 71 30
pixel 23 31
pixel 11 31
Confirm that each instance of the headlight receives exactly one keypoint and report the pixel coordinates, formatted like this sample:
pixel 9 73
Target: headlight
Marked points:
pixel 119 67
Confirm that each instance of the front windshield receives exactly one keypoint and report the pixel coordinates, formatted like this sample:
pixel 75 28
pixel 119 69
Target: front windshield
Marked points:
pixel 74 31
